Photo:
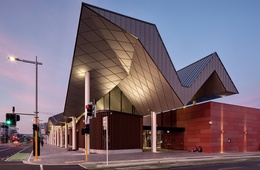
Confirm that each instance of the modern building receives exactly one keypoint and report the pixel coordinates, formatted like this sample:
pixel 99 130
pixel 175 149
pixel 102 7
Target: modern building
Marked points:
pixel 4 132
pixel 122 64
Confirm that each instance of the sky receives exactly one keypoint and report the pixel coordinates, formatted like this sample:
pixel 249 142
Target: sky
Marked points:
pixel 189 29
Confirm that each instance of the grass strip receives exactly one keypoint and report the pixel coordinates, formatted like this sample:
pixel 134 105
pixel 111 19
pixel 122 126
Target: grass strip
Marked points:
pixel 19 156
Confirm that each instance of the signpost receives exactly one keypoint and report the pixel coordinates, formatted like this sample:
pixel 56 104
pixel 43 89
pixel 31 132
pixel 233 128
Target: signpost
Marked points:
pixel 105 123
pixel 105 127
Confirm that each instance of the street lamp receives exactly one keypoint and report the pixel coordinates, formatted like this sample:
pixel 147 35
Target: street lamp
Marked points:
pixel 36 98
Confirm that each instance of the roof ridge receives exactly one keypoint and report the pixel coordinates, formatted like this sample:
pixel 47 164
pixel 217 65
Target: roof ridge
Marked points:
pixel 189 73
pixel 116 13
pixel 210 55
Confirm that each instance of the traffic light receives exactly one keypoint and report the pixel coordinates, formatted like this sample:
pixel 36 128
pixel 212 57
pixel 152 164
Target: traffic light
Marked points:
pixel 35 127
pixel 89 109
pixel 85 130
pixel 10 119
pixel 17 118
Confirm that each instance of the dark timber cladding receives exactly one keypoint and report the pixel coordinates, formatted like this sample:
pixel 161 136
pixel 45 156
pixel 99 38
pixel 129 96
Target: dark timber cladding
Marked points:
pixel 125 131
pixel 120 51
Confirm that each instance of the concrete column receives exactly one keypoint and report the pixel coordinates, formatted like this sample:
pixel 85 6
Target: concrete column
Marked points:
pixel 66 135
pixel 153 129
pixel 57 136
pixel 54 136
pixel 61 136
pixel 73 133
pixel 87 100
pixel 51 136
pixel 48 139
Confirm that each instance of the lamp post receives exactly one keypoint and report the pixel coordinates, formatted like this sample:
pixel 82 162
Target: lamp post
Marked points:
pixel 36 98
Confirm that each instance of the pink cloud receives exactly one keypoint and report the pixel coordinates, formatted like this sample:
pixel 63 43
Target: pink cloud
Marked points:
pixel 17 76
pixel 24 98
pixel 247 98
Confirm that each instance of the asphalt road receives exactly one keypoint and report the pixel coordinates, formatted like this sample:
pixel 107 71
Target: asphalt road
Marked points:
pixel 232 164
pixel 7 150
pixel 252 164
pixel 21 166
pixel 8 163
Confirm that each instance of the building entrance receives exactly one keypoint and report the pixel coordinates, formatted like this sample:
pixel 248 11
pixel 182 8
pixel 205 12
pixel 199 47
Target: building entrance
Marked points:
pixel 147 139
pixel 166 138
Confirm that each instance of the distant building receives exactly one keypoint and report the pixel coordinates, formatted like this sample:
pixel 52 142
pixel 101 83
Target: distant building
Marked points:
pixel 43 130
pixel 4 132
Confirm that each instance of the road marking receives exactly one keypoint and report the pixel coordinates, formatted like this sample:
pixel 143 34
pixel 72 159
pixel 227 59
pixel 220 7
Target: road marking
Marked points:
pixel 24 149
pixel 18 156
pixel 75 161
pixel 89 165
pixel 230 168
pixel 41 167
pixel 5 149
pixel 30 156
pixel 17 152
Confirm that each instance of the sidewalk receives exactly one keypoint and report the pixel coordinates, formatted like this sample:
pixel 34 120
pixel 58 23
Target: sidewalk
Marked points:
pixel 54 155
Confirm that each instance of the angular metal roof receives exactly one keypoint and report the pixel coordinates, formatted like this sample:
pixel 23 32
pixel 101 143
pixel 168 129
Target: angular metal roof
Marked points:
pixel 189 73
pixel 128 53
pixel 57 120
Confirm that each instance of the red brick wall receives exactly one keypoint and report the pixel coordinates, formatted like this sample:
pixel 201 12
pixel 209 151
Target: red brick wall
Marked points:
pixel 240 124
pixel 195 120
pixel 229 122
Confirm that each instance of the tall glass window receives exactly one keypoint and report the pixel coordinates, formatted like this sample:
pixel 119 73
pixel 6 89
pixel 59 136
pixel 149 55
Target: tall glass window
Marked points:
pixel 115 100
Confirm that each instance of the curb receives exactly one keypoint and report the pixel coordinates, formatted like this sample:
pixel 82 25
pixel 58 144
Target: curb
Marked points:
pixel 174 162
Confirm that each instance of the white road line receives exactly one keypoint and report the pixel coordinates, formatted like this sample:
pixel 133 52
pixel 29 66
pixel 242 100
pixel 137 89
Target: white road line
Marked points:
pixel 24 149
pixel 17 152
pixel 30 156
pixel 41 167
pixel 5 149
pixel 230 168
pixel 83 166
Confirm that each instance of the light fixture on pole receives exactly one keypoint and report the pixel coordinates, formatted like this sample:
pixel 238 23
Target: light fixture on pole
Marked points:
pixel 36 99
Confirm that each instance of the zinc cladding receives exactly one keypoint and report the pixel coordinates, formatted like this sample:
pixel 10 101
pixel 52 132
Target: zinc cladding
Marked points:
pixel 130 54
pixel 189 73
pixel 56 118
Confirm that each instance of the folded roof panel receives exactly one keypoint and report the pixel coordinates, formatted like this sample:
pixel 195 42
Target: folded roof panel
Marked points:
pixel 120 51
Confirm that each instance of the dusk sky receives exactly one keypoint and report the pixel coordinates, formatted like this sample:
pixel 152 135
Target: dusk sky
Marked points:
pixel 190 30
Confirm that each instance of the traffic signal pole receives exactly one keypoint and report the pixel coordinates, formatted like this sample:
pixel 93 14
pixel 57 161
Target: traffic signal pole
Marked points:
pixel 36 109
pixel 36 141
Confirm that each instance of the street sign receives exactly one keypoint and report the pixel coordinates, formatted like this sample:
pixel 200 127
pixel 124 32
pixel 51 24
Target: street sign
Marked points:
pixel 105 123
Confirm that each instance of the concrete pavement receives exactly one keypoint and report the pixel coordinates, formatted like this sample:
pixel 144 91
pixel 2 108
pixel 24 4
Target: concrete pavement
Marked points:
pixel 54 155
